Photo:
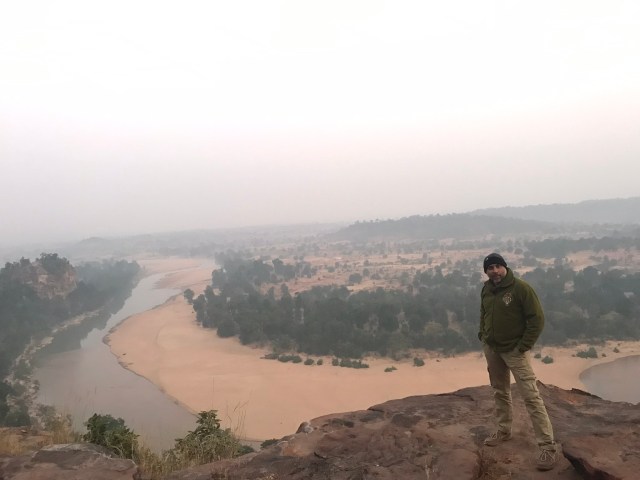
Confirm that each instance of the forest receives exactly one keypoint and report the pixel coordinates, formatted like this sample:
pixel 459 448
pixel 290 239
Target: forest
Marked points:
pixel 435 308
pixel 30 309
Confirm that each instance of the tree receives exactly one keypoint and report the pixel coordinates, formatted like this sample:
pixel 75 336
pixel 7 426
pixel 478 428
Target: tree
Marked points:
pixel 188 295
pixel 227 328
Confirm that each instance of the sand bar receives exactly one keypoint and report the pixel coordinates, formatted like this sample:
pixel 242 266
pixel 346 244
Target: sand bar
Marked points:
pixel 261 399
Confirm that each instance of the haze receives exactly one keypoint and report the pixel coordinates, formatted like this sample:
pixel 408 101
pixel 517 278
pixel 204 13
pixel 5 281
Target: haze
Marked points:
pixel 119 117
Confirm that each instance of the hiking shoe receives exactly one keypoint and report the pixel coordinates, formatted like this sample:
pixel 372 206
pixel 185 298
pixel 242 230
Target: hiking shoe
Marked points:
pixel 546 460
pixel 496 438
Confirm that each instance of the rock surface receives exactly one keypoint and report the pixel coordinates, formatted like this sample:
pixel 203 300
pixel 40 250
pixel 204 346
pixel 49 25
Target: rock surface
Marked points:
pixel 441 437
pixel 430 437
pixel 80 461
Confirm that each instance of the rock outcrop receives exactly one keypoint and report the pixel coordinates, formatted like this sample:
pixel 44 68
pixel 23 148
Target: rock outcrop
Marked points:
pixel 49 276
pixel 432 437
pixel 441 437
pixel 77 461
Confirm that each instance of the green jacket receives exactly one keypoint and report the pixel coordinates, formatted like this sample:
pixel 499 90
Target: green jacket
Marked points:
pixel 510 315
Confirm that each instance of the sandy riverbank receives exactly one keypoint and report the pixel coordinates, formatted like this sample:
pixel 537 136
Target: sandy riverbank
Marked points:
pixel 263 399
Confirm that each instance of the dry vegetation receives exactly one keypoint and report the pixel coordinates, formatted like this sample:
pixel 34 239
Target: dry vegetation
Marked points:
pixel 336 262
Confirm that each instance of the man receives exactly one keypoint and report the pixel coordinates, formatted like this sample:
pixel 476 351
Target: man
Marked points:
pixel 511 320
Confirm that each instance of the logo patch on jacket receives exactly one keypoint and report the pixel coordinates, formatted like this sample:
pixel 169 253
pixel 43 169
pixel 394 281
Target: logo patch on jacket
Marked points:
pixel 507 298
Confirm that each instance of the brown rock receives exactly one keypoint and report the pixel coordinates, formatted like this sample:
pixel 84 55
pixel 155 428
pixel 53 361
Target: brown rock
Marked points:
pixel 439 437
pixel 432 437
pixel 80 461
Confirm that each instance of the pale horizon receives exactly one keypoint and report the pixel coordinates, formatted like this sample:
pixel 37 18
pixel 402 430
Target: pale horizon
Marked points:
pixel 130 118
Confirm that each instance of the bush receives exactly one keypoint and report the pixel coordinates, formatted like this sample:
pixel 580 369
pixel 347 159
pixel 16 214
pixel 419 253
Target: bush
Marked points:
pixel 207 443
pixel 335 362
pixel 390 369
pixel 616 350
pixel 547 359
pixel 290 358
pixel 271 356
pixel 537 355
pixel 591 353
pixel 309 361
pixel 347 363
pixel 111 433
pixel 269 442
pixel 319 362
pixel 17 416
pixel 418 362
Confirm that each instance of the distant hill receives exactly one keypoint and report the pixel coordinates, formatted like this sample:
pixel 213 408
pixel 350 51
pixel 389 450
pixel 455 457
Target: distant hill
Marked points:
pixel 436 227
pixel 620 211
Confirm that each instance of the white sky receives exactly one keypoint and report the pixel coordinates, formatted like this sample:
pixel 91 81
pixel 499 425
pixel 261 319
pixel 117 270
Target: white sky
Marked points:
pixel 136 116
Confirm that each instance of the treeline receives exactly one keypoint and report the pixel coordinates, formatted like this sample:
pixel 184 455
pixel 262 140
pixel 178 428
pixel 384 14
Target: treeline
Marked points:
pixel 435 311
pixel 561 247
pixel 443 226
pixel 611 211
pixel 26 313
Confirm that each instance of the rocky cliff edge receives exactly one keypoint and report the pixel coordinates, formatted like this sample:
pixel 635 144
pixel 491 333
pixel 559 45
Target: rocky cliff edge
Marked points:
pixel 441 437
pixel 430 437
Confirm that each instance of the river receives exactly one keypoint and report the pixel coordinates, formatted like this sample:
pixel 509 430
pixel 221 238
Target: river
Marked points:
pixel 616 381
pixel 80 376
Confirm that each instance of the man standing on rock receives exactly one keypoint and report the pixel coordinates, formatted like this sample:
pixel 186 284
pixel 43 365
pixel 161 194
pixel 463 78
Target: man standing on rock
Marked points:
pixel 511 320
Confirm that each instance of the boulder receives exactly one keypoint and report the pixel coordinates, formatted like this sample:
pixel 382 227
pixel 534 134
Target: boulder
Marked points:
pixel 76 461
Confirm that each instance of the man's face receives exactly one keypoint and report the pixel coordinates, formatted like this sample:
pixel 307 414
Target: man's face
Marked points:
pixel 496 273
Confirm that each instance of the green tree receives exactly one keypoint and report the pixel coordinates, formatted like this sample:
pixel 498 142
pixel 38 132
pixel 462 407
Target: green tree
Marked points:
pixel 188 295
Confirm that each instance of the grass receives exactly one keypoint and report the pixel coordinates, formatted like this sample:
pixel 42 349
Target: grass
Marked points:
pixel 21 440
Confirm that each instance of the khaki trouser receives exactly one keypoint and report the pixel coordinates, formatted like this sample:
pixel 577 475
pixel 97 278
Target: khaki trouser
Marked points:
pixel 500 367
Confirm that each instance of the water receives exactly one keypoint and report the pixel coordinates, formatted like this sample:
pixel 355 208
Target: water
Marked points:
pixel 80 376
pixel 616 381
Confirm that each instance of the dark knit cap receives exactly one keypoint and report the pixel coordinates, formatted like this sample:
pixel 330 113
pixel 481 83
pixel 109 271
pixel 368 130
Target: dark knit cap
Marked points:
pixel 493 259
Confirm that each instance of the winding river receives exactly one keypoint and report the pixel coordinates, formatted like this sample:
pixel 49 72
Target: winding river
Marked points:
pixel 80 376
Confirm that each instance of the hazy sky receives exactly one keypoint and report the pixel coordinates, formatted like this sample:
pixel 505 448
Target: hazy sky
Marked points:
pixel 138 116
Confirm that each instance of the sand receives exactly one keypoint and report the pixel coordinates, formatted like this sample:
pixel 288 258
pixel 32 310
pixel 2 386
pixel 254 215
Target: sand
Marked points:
pixel 262 399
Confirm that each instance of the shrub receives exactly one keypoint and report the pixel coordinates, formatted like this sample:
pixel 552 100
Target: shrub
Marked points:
pixel 547 359
pixel 616 350
pixel 290 358
pixel 590 353
pixel 418 362
pixel 347 363
pixel 319 362
pixel 390 369
pixel 335 362
pixel 269 442
pixel 537 355
pixel 111 433
pixel 207 443
pixel 309 361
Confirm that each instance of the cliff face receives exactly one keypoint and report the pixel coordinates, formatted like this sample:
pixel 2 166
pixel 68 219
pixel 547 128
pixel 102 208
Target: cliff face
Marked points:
pixel 441 437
